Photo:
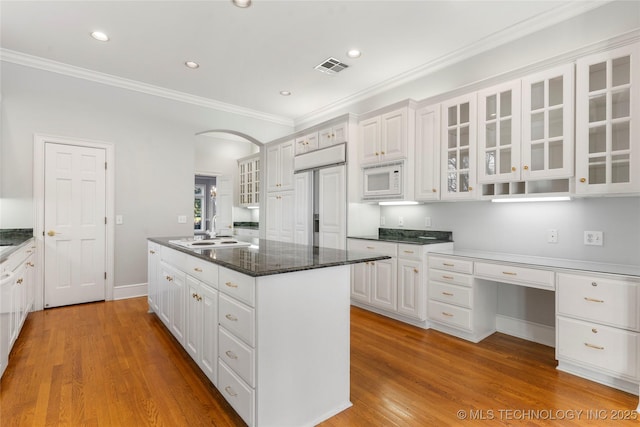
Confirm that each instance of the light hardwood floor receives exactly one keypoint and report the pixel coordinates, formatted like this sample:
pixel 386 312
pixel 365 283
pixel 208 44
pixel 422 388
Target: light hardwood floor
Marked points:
pixel 113 364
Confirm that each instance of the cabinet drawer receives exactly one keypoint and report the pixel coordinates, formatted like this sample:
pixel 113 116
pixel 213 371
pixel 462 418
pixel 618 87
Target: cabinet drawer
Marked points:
pixel 16 259
pixel 237 318
pixel 204 271
pixel 451 264
pixel 383 248
pixel 237 356
pixel 531 277
pixel 175 258
pixel 238 394
pixel 449 277
pixel 410 252
pixel 604 300
pixel 457 317
pixel 238 285
pixel 610 349
pixel 451 294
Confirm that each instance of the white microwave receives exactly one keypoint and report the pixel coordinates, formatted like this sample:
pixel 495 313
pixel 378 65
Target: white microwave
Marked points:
pixel 383 181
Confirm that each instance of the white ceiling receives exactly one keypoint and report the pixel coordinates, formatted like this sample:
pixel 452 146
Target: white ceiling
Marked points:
pixel 247 56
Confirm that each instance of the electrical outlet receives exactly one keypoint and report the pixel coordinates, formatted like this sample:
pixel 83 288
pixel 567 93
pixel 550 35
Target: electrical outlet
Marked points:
pixel 182 219
pixel 427 221
pixel 552 235
pixel 400 221
pixel 593 238
pixel 381 220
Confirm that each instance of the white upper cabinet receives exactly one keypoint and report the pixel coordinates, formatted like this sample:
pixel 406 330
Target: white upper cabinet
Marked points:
pixel 499 133
pixel 607 115
pixel 333 135
pixel 280 166
pixel 547 122
pixel 249 181
pixel 385 137
pixel 306 143
pixel 427 158
pixel 458 148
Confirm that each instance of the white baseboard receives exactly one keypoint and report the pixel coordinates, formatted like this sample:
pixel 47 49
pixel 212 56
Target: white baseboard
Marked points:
pixel 130 291
pixel 530 331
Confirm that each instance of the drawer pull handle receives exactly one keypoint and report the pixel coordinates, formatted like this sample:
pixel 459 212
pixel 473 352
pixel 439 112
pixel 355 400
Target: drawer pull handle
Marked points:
pixel 169 279
pixel 229 390
pixel 199 270
pixel 593 299
pixel 371 247
pixel 194 295
pixel 30 264
pixel 408 252
pixel 594 284
pixel 446 264
pixel 597 347
pixel 231 317
pixel 231 284
pixel 449 294
pixel 19 281
pixel 594 330
pixel 444 313
pixel 230 354
pixel 152 252
pixel 509 273
pixel 415 270
pixel 448 277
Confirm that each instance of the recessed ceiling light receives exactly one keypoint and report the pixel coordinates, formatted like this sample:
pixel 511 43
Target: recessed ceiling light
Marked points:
pixel 354 53
pixel 192 65
pixel 242 3
pixel 100 36
pixel 285 93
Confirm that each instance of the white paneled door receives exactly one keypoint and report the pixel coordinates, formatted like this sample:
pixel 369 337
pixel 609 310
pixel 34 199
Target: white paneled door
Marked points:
pixel 74 220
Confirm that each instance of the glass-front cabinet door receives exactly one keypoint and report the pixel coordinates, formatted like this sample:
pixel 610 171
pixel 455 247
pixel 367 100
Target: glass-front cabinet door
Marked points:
pixel 499 133
pixel 547 122
pixel 607 139
pixel 458 152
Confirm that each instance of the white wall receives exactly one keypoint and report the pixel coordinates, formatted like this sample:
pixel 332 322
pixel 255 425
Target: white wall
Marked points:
pixel 155 152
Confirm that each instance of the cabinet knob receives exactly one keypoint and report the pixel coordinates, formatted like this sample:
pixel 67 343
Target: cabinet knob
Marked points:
pixel 19 281
pixel 382 152
pixel 434 190
pixel 377 154
pixel 526 167
pixel 415 270
pixel 152 252
pixel 583 179
pixel 470 188
pixel 513 168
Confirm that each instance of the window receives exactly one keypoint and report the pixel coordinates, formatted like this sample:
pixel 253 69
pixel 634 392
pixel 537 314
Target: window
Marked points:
pixel 199 207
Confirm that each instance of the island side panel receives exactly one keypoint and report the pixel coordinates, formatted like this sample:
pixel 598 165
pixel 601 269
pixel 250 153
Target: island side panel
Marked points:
pixel 303 346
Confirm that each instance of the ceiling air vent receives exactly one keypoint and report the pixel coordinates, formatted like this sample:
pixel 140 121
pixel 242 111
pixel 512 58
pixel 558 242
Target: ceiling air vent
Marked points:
pixel 331 66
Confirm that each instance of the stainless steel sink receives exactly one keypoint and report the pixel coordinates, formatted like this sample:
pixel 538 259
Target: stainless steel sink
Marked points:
pixel 219 243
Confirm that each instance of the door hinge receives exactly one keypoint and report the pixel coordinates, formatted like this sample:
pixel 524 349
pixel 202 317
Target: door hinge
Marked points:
pixel 105 219
pixel 105 275
pixel 105 165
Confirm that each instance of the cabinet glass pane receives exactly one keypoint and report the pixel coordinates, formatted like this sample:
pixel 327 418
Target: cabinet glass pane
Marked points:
pixel 490 163
pixel 555 123
pixel 464 113
pixel 620 104
pixel 537 157
pixel 556 154
pixel 491 107
pixel 505 132
pixel 555 91
pixel 453 115
pixel 597 77
pixel 597 108
pixel 452 183
pixel 464 159
pixel 597 170
pixel 464 182
pixel 453 138
pixel 505 104
pixel 537 126
pixel 464 136
pixel 452 161
pixel 620 169
pixel 597 139
pixel 505 160
pixel 620 136
pixel 490 133
pixel 537 96
pixel 621 71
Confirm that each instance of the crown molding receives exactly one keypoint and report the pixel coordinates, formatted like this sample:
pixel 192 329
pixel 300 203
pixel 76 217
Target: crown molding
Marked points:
pixel 26 60
pixel 492 41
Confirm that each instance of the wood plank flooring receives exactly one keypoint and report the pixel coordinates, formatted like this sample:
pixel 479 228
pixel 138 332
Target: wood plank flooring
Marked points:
pixel 114 364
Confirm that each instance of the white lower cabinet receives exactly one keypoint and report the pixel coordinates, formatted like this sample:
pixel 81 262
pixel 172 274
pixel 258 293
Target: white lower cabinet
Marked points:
pixel 201 339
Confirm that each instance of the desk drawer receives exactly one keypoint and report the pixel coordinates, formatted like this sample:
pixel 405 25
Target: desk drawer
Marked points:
pixel 237 355
pixel 610 349
pixel 451 264
pixel 238 394
pixel 451 294
pixel 449 277
pixel 238 285
pixel 237 318
pixel 457 317
pixel 604 300
pixel 531 277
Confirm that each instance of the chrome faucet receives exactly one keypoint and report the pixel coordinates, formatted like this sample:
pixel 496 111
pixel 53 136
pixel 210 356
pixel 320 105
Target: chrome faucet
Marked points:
pixel 211 232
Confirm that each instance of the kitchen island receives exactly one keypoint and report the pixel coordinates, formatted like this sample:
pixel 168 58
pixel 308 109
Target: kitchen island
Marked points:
pixel 269 324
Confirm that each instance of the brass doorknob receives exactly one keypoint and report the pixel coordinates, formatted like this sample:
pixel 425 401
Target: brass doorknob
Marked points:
pixel 51 233
pixel 583 179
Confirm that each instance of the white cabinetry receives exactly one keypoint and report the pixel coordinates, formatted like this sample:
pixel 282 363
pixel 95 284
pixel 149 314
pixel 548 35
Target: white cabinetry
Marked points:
pixel 153 262
pixel 412 281
pixel 427 157
pixel 224 206
pixel 280 166
pixel 374 282
pixel 332 197
pixel 385 137
pixel 457 305
pixel 607 112
pixel 280 216
pixel 336 134
pixel 306 143
pixel 249 181
pixel 598 325
pixel 172 284
pixel 458 148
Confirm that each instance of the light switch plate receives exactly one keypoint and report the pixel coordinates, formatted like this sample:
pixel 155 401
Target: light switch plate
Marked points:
pixel 182 219
pixel 119 220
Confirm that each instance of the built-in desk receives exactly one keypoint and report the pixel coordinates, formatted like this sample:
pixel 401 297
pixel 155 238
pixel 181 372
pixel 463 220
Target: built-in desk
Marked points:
pixel 597 330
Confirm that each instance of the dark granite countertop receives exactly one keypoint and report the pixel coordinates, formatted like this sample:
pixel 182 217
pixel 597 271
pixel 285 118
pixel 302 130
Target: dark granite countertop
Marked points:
pixel 12 239
pixel 413 237
pixel 267 257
